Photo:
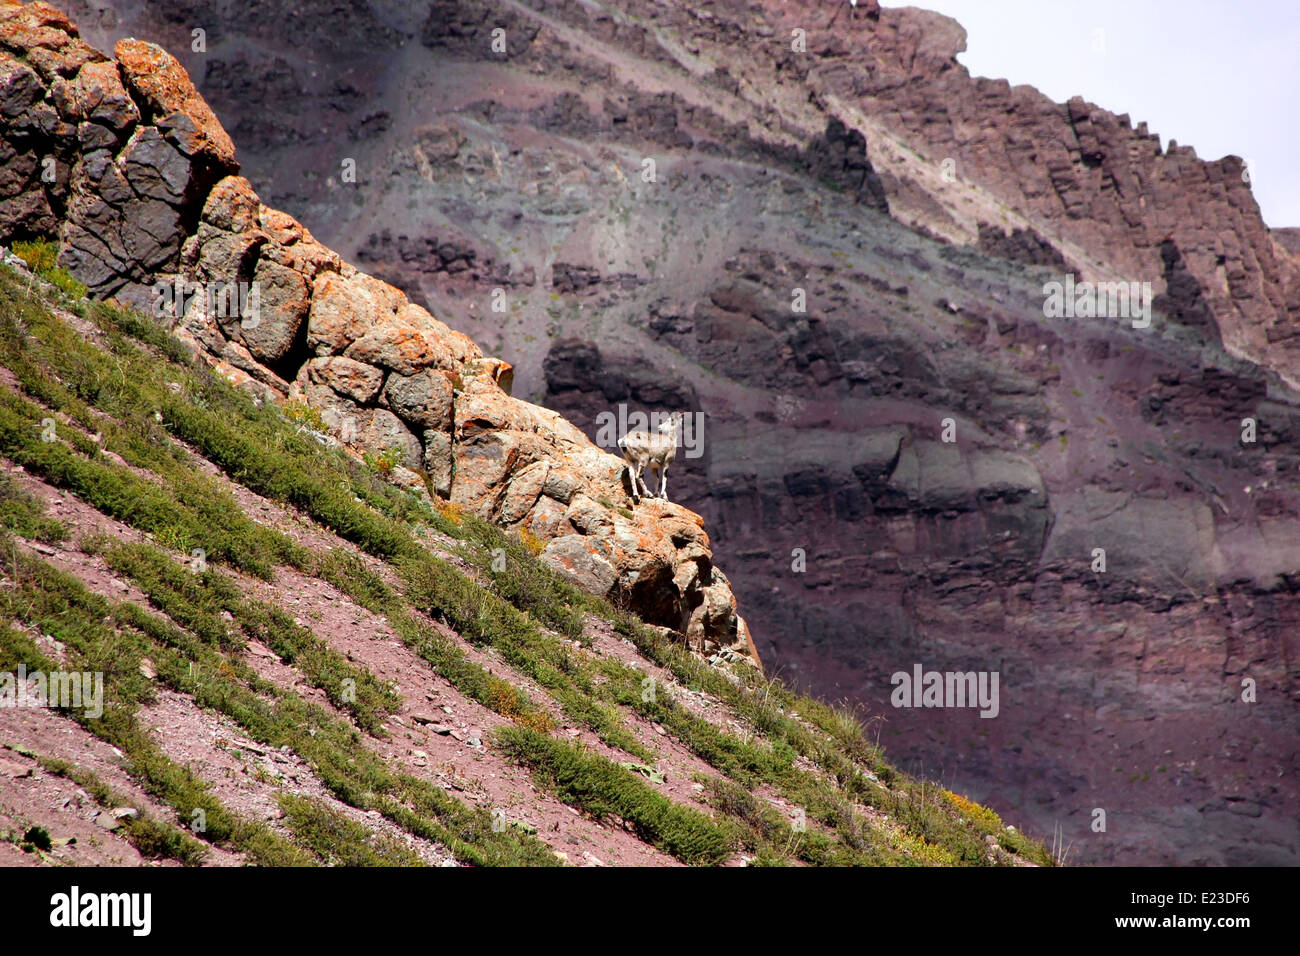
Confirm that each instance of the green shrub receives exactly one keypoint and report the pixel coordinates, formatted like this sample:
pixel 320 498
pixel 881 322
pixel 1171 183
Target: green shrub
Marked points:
pixel 39 254
pixel 38 837
pixel 23 514
pixel 340 841
pixel 300 413
pixel 383 463
pixel 65 282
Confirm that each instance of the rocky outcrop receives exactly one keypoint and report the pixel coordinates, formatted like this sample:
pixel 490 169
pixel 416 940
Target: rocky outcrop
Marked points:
pixel 145 191
pixel 576 369
pixel 1020 245
pixel 115 155
pixel 839 159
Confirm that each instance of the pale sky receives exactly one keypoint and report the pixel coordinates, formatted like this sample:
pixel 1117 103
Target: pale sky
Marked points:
pixel 1223 77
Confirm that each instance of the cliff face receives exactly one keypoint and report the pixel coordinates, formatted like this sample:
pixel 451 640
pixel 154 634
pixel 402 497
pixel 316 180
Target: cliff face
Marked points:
pixel 126 164
pixel 811 225
pixel 1100 190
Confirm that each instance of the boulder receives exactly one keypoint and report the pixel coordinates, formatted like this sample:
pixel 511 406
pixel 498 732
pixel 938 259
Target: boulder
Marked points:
pixel 283 304
pixel 583 560
pixel 423 399
pixel 344 309
pixel 154 168
pixel 439 461
pixel 162 88
pixel 96 95
pixel 350 379
pixel 383 431
pixel 523 492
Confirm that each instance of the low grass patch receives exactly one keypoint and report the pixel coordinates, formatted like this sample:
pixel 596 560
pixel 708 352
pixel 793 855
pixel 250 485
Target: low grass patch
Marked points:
pixel 198 600
pixel 25 516
pixel 59 606
pixel 154 839
pixel 340 841
pixel 603 789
